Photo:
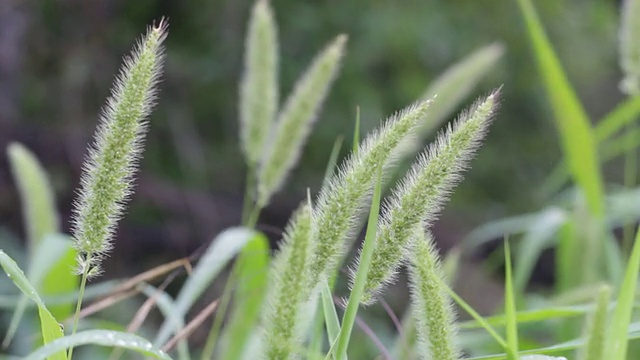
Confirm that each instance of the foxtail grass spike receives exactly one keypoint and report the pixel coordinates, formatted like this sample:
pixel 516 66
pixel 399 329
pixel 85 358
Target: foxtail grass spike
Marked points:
pixel 344 198
pixel 630 47
pixel 259 84
pixel 417 199
pixel 431 305
pixel 108 172
pixel 296 119
pixel 288 291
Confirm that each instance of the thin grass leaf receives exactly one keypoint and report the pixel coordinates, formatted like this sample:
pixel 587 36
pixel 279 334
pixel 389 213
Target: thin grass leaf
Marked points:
pixel 625 113
pixel 166 306
pixel 296 119
pixel 617 342
pixel 529 316
pixel 102 338
pixel 253 271
pixel 538 237
pixel 431 306
pixel 616 120
pixel 53 257
pixel 259 85
pixel 343 200
pixel 360 278
pixel 418 198
pixel 50 329
pixel 356 132
pixel 474 314
pixel 596 328
pixel 222 249
pixel 510 307
pixel 330 315
pixel 333 159
pixel 578 142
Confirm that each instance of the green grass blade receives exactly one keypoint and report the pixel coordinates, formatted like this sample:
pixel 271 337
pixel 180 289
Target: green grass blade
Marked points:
pixel 624 114
pixel 357 290
pixel 49 327
pixel 488 232
pixel 253 267
pixel 537 238
pixel 477 317
pixel 333 159
pixel 356 132
pixel 617 340
pixel 37 197
pixel 223 248
pixel 510 307
pixel 330 315
pixel 102 338
pixel 529 316
pixel 573 124
pixel 166 306
pixel 59 278
pixel 50 266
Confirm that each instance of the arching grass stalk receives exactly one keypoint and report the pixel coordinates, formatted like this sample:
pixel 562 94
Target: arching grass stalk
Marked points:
pixel 107 178
pixel 417 200
pixel 344 198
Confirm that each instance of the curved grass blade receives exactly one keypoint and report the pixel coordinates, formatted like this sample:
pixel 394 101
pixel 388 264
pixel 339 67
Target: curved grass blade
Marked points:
pixel 222 249
pixel 49 327
pixel 102 338
pixel 50 273
pixel 578 142
pixel 510 307
pixel 330 315
pixel 357 290
pixel 617 341
pixel 253 269
pixel 537 238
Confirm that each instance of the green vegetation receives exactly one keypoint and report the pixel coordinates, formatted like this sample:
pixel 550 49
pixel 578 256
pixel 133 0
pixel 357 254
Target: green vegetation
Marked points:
pixel 285 305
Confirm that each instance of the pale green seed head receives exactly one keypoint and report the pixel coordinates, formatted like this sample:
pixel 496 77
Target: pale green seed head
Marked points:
pixel 417 199
pixel 630 47
pixel 344 198
pixel 296 120
pixel 107 179
pixel 431 305
pixel 259 84
pixel 287 290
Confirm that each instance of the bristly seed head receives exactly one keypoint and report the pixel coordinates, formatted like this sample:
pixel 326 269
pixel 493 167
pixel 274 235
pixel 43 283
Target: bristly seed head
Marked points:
pixel 108 171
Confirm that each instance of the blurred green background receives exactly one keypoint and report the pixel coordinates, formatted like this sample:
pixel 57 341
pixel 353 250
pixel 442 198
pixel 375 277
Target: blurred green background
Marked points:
pixel 58 59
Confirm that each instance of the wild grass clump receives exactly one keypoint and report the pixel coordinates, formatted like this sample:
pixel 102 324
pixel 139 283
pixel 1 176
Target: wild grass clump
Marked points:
pixel 287 305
